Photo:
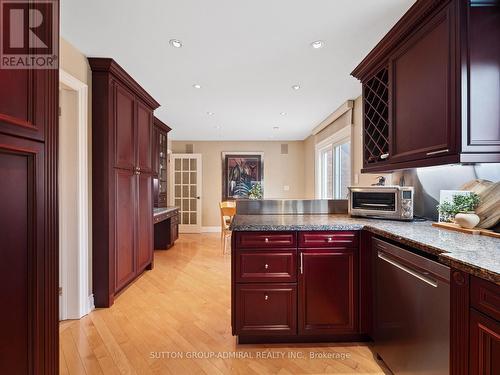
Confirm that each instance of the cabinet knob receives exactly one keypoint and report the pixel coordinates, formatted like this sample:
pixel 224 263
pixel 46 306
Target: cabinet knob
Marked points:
pixel 266 297
pixel 266 239
pixel 266 266
pixel 329 239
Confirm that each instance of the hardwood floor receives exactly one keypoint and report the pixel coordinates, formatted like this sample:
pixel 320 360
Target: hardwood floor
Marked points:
pixel 174 316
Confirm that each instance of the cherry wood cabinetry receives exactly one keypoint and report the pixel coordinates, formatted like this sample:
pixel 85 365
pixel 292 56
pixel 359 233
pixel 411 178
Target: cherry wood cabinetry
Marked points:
pixel 475 325
pixel 123 168
pixel 160 162
pixel 295 286
pixel 29 328
pixel 328 291
pixel 427 91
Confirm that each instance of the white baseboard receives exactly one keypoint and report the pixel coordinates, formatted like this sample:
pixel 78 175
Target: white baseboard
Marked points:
pixel 216 229
pixel 91 305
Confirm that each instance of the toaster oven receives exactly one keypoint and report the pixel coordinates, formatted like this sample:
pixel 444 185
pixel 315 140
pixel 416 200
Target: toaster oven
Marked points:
pixel 384 202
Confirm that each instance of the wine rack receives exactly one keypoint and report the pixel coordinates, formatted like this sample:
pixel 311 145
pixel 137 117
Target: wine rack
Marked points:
pixel 376 117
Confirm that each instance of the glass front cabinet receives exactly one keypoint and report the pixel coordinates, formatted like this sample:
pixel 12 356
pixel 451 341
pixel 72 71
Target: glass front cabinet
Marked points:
pixel 161 163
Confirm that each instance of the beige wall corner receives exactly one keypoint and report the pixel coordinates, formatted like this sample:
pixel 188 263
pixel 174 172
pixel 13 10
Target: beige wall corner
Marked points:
pixel 280 170
pixel 75 63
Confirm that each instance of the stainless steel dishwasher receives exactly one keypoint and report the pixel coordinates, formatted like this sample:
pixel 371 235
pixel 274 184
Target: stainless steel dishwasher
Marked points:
pixel 411 311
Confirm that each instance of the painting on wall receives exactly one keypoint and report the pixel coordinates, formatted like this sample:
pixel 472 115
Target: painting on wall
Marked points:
pixel 243 175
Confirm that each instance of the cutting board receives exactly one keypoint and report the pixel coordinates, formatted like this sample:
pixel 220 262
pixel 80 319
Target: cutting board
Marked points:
pixel 458 228
pixel 489 206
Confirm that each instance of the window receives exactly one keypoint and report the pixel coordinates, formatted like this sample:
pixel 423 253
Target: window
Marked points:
pixel 333 158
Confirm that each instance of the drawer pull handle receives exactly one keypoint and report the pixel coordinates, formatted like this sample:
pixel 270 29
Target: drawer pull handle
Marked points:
pixel 266 297
pixel 266 239
pixel 437 152
pixel 266 266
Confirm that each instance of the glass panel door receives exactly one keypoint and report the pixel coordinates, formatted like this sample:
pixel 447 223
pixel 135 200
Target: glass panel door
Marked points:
pixel 187 191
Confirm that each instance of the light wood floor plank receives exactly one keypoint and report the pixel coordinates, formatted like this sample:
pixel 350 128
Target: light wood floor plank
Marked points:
pixel 183 306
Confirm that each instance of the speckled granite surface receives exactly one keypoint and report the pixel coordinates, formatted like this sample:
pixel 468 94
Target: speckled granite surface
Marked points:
pixel 478 255
pixel 164 210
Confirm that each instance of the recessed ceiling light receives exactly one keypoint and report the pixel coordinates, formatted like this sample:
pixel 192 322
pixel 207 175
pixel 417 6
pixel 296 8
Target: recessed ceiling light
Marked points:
pixel 210 113
pixel 276 128
pixel 283 113
pixel 317 44
pixel 296 87
pixel 176 43
pixel 197 86
pixel 217 126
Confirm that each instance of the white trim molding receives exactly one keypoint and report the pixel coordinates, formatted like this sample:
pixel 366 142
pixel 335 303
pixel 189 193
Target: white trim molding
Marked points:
pixel 216 229
pixel 346 107
pixel 83 304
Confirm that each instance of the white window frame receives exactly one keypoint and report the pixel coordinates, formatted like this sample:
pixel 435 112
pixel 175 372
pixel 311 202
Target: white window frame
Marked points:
pixel 340 137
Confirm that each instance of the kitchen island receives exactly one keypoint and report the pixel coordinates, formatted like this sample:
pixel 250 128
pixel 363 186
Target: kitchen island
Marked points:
pixel 311 278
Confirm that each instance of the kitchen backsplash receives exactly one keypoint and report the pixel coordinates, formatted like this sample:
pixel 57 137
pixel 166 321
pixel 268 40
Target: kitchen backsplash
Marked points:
pixel 429 181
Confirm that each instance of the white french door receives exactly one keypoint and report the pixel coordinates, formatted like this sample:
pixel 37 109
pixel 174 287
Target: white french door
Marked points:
pixel 186 190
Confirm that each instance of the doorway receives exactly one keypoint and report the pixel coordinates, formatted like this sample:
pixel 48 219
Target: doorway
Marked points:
pixel 75 299
pixel 186 190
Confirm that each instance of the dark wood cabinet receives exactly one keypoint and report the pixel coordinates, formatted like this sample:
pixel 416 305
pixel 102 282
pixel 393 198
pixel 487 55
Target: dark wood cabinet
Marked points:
pixel 166 227
pixel 484 345
pixel 295 286
pixel 427 96
pixel 263 309
pixel 328 291
pixel 475 326
pixel 422 100
pixel 160 162
pixel 29 321
pixel 122 183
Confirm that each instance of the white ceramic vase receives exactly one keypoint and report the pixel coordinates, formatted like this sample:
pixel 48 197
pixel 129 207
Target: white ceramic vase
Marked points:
pixel 467 219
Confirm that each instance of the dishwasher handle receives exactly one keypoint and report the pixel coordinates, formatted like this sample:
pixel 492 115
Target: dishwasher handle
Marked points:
pixel 408 270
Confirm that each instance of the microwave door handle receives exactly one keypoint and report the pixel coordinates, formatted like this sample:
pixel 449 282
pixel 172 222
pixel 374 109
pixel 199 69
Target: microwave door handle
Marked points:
pixel 375 204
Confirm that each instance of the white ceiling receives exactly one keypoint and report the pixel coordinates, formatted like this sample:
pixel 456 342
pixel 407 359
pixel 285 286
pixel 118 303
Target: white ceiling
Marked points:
pixel 246 55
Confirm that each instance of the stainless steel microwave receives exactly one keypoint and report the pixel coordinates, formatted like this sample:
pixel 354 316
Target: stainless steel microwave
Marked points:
pixel 384 202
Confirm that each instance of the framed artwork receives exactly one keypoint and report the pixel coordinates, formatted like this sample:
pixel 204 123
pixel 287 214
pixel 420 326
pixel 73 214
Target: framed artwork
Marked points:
pixel 242 175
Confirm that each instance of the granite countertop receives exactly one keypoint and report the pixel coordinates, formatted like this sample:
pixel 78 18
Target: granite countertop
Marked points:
pixel 475 254
pixel 163 210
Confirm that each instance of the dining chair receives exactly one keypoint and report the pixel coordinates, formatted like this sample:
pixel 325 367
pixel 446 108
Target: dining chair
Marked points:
pixel 227 212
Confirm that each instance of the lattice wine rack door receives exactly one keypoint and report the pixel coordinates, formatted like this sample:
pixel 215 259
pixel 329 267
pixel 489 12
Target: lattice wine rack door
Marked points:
pixel 376 118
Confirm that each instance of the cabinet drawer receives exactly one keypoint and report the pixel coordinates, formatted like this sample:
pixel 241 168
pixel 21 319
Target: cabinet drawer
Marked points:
pixel 270 266
pixel 265 239
pixel 328 239
pixel 266 309
pixel 174 219
pixel 485 297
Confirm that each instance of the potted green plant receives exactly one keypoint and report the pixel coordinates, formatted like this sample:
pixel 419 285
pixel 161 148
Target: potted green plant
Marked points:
pixel 461 210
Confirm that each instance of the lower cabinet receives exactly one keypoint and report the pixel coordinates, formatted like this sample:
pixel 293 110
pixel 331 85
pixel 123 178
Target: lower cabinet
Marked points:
pixel 298 292
pixel 266 309
pixel 484 344
pixel 328 291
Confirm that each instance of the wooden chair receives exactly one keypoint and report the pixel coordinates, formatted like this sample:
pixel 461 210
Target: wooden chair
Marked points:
pixel 227 212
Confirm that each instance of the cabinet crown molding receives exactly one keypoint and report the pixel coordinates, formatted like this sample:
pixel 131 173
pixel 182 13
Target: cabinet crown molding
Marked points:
pixel 410 21
pixel 108 65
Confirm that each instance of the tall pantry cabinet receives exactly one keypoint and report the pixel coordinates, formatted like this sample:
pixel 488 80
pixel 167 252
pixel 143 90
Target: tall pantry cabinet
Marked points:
pixel 122 185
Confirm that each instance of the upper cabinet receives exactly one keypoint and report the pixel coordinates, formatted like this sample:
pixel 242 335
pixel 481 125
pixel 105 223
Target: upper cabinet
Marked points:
pixel 431 87
pixel 160 162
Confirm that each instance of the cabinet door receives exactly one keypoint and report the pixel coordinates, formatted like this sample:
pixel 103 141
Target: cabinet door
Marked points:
pixel 144 138
pixel 422 76
pixel 328 291
pixel 22 254
pixel 125 219
pixel 266 309
pixel 124 128
pixel 484 345
pixel 144 221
